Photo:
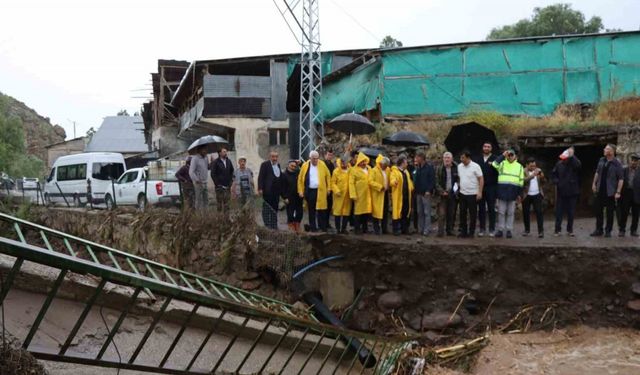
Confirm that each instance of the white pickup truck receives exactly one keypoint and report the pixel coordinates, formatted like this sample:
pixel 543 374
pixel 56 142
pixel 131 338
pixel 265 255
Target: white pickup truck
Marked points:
pixel 129 190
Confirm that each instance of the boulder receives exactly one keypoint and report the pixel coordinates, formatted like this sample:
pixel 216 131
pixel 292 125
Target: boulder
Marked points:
pixel 634 305
pixel 440 320
pixel 390 301
pixel 635 288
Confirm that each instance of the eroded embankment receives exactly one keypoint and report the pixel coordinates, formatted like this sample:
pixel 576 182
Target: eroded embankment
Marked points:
pixel 490 282
pixel 405 283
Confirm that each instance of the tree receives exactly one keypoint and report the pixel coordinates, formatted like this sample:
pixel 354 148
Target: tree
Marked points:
pixel 123 112
pixel 13 150
pixel 390 42
pixel 557 19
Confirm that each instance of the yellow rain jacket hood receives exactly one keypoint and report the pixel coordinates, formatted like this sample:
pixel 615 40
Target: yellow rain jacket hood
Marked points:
pixel 377 183
pixel 340 190
pixel 359 187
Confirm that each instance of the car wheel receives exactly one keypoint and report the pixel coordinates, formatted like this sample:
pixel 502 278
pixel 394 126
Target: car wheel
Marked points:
pixel 108 201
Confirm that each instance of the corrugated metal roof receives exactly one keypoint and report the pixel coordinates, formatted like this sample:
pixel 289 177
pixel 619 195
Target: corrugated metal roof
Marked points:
pixel 124 134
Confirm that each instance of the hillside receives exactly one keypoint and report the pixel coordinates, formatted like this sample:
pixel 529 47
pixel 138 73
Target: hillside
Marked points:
pixel 38 130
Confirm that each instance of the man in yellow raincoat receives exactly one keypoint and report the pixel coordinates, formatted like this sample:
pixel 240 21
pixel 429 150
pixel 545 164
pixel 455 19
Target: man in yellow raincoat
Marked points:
pixel 401 191
pixel 359 192
pixel 379 186
pixel 314 186
pixel 341 200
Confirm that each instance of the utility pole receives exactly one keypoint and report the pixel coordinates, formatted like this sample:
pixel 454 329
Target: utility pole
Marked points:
pixel 74 128
pixel 311 126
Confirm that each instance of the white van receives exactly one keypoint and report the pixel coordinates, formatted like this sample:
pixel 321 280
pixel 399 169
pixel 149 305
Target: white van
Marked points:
pixel 72 175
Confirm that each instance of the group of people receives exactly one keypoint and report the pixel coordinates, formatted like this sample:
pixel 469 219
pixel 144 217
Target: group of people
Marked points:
pixel 482 191
pixel 228 182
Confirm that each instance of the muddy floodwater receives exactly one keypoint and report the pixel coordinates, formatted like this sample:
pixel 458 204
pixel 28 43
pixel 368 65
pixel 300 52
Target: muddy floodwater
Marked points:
pixel 570 351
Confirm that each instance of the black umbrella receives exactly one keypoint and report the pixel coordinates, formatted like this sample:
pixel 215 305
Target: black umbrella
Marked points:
pixel 352 123
pixel 213 143
pixel 470 136
pixel 407 139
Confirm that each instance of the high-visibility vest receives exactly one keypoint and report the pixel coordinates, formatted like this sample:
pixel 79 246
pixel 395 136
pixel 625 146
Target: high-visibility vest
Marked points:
pixel 510 173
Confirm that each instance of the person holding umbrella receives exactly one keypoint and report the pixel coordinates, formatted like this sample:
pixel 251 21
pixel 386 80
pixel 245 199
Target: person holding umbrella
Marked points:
pixel 314 187
pixel 379 187
pixel 199 173
pixel 341 201
pixel 359 192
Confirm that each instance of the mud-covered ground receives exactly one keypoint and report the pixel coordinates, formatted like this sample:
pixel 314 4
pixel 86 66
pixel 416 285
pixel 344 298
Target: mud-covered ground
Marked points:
pixel 571 351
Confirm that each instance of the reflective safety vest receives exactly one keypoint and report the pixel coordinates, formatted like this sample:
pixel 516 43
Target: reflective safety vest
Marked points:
pixel 510 173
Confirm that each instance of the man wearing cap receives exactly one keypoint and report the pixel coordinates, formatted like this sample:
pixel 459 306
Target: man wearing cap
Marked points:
pixel 314 187
pixel 607 186
pixel 630 200
pixel 510 183
pixel 566 177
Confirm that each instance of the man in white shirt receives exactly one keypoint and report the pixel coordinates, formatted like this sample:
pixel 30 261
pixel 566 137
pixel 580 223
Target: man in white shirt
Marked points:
pixel 314 186
pixel 471 184
pixel 533 196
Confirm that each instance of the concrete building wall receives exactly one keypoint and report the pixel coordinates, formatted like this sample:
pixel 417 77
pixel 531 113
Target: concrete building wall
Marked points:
pixel 252 140
pixel 74 146
pixel 165 140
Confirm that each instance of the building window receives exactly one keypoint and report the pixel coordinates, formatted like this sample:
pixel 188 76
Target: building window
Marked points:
pixel 278 137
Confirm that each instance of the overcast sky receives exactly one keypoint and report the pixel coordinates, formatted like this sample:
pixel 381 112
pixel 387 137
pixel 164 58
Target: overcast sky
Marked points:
pixel 86 59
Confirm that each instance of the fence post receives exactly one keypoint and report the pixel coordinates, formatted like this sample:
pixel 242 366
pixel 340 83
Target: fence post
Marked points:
pixel 89 193
pixel 113 191
pixel 61 193
pixel 146 184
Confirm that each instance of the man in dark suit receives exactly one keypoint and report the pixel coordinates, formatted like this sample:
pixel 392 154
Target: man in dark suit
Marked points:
pixel 222 176
pixel 487 205
pixel 269 187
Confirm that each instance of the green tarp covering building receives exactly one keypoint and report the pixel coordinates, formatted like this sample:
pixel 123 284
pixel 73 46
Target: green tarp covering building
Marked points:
pixel 530 76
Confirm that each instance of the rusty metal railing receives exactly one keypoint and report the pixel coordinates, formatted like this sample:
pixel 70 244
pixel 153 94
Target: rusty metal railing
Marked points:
pixel 296 342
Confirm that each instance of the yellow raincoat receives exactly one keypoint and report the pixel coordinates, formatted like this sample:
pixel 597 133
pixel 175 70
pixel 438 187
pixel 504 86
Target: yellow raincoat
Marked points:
pixel 324 177
pixel 359 187
pixel 377 183
pixel 396 182
pixel 340 190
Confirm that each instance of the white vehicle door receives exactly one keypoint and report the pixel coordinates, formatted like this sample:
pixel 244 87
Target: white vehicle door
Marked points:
pixel 123 188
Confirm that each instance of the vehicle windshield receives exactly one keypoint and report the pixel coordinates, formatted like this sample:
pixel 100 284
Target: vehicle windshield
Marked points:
pixel 107 171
